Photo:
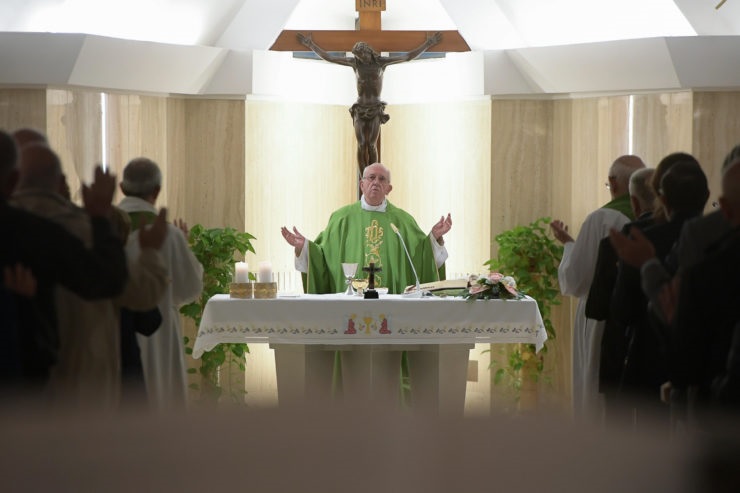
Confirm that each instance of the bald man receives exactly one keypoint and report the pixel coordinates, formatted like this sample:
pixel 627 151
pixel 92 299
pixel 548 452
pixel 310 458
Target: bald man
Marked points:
pixel 575 274
pixel 53 257
pixel 87 371
pixel 25 136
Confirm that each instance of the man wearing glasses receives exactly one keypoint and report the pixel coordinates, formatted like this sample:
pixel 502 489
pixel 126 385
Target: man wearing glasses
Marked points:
pixel 362 233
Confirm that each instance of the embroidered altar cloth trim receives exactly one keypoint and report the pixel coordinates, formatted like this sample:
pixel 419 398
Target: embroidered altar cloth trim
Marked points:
pixel 338 319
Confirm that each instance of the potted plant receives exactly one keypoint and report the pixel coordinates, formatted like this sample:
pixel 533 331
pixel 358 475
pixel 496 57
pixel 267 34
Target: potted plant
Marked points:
pixel 217 249
pixel 531 256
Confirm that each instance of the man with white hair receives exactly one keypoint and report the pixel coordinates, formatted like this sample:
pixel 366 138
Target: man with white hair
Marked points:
pixel 575 274
pixel 163 352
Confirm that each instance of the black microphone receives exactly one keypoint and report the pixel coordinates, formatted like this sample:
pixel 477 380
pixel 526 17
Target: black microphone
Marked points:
pixel 416 293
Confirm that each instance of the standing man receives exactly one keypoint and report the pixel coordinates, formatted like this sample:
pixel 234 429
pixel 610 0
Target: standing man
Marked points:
pixel 707 318
pixel 163 352
pixel 368 112
pixel 29 340
pixel 615 341
pixel 575 274
pixel 362 233
pixel 87 373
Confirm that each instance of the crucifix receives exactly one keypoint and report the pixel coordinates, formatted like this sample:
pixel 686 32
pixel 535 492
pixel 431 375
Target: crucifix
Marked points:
pixel 368 111
pixel 370 292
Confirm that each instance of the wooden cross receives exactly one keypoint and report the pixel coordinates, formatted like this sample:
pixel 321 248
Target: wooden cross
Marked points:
pixel 369 11
pixel 368 29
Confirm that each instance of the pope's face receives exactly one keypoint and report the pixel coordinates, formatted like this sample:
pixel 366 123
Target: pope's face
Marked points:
pixel 375 184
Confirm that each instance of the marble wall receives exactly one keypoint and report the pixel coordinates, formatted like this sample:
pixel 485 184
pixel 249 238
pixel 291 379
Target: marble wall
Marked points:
pixel 22 108
pixel 494 164
pixel 715 131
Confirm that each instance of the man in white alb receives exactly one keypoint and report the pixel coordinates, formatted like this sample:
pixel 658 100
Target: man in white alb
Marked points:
pixel 575 273
pixel 163 352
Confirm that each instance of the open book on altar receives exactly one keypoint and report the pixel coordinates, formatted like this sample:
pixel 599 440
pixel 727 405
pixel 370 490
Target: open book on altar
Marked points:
pixel 448 287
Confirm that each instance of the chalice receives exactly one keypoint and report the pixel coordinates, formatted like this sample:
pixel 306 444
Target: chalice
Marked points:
pixel 360 284
pixel 349 270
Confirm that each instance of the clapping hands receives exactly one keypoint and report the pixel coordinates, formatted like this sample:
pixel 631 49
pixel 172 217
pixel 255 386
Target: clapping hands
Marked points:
pixel 153 235
pixel 99 195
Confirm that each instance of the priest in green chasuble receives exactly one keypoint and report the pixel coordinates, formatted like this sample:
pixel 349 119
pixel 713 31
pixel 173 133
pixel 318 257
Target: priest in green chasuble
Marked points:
pixel 362 233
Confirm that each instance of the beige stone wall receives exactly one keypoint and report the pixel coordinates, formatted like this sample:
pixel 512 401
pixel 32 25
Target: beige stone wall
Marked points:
pixel 439 156
pixel 494 164
pixel 22 108
pixel 715 131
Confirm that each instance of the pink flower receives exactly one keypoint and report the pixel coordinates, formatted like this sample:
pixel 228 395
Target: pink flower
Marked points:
pixel 495 277
pixel 478 288
pixel 510 285
pixel 511 289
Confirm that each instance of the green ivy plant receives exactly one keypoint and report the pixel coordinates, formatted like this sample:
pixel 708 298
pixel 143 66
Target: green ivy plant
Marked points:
pixel 531 256
pixel 217 249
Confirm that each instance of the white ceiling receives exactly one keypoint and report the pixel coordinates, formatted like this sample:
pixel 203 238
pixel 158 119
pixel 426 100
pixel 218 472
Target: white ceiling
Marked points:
pixel 207 47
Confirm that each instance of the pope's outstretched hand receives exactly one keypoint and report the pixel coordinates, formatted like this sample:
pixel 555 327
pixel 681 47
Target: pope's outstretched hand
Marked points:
pixel 441 228
pixel 294 239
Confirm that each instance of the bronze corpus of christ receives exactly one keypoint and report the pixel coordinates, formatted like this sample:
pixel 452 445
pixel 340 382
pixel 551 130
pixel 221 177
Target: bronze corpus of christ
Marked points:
pixel 368 112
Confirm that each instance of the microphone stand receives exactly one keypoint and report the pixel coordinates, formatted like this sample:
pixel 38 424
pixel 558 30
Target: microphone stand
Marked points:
pixel 417 293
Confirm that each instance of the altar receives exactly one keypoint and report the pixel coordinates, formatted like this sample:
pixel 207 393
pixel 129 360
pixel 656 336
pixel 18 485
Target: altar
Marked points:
pixel 306 331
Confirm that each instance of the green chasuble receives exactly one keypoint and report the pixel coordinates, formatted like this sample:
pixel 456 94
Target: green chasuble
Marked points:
pixel 623 205
pixel 357 235
pixel 138 217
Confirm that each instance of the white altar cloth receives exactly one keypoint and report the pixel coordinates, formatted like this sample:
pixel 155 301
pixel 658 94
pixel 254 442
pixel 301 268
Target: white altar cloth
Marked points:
pixel 338 319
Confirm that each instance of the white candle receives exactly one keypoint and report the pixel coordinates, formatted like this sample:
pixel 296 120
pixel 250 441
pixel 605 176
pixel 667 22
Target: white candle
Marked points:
pixel 265 272
pixel 241 272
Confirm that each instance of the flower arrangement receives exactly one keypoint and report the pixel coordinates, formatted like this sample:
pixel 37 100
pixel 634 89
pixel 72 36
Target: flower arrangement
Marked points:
pixel 492 287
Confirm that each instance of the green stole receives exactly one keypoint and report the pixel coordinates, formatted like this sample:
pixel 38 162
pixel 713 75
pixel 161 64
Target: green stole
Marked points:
pixel 359 236
pixel 621 204
pixel 141 217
